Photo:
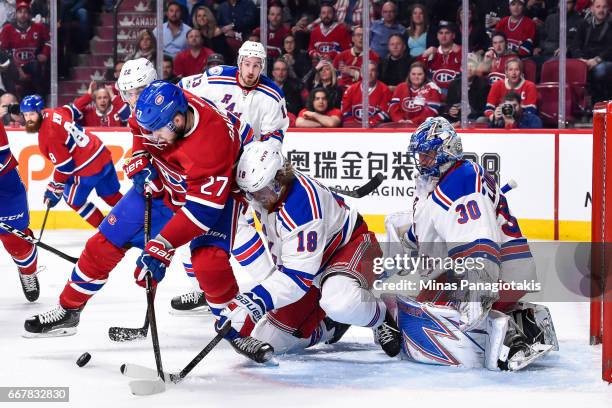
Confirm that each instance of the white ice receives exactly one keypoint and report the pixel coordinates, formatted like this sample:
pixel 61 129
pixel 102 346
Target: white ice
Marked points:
pixel 352 373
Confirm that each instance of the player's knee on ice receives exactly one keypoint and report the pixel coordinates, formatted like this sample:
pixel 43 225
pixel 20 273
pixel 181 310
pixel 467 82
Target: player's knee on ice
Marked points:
pixel 345 301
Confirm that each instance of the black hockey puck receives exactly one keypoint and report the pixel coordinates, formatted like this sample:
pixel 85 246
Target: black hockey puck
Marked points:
pixel 84 359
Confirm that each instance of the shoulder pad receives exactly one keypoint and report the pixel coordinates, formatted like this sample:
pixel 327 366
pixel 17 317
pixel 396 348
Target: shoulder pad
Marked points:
pixel 463 180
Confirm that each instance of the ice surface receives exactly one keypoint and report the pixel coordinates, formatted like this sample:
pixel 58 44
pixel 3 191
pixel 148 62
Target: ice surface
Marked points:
pixel 352 373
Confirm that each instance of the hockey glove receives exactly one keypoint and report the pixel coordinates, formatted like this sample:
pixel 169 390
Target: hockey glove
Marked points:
pixel 243 312
pixel 155 258
pixel 140 170
pixel 54 193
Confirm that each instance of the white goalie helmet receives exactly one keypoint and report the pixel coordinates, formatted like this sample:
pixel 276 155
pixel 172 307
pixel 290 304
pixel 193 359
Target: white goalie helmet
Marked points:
pixel 136 73
pixel 258 166
pixel 253 49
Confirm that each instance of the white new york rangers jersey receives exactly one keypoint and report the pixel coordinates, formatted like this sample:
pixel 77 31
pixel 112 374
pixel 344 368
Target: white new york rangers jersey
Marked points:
pixel 465 215
pixel 304 231
pixel 263 106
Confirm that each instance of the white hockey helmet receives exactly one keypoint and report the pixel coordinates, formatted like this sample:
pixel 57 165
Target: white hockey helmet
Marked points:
pixel 136 73
pixel 257 168
pixel 253 49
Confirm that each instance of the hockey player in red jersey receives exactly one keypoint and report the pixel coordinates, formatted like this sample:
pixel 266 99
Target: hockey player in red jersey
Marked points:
pixel 14 212
pixel 81 161
pixel 514 82
pixel 29 44
pixel 520 30
pixel 379 97
pixel 415 99
pixel 329 37
pixel 444 62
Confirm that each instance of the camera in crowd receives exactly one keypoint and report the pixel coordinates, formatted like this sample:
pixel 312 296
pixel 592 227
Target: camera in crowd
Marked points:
pixel 507 109
pixel 13 108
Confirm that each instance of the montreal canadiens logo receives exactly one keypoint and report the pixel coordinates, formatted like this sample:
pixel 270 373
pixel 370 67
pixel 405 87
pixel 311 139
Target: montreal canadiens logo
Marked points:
pixel 409 105
pixel 112 220
pixel 443 76
pixel 159 99
pixel 325 47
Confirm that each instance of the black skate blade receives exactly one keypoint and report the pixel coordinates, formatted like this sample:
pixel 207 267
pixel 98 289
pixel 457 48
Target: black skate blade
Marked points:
pixel 198 311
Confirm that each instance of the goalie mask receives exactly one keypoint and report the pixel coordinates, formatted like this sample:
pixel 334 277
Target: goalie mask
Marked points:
pixel 435 147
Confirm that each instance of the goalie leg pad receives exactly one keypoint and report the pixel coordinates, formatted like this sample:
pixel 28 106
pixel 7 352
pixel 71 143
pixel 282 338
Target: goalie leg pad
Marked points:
pixel 90 273
pixel 24 254
pixel 215 275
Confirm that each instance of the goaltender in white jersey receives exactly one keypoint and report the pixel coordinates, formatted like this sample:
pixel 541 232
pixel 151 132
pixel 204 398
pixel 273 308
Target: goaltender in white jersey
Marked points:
pixel 255 99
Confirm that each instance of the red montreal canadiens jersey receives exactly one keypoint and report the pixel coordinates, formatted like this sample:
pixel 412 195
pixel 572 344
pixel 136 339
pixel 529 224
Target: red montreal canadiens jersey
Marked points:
pixel 443 68
pixel 71 149
pixel 415 104
pixel 520 35
pixel 87 115
pixel 379 97
pixel 328 42
pixel 498 68
pixel 197 168
pixel 499 89
pixel 27 44
pixel 7 160
pixel 348 58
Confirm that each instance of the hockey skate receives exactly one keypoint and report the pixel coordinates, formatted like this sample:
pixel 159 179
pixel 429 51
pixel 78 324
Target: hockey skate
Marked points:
pixel 254 349
pixel 338 330
pixel 189 304
pixel 54 323
pixel 30 286
pixel 520 352
pixel 388 336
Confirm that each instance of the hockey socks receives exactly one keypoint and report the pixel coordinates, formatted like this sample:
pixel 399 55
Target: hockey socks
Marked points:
pixel 90 213
pixel 89 275
pixel 24 254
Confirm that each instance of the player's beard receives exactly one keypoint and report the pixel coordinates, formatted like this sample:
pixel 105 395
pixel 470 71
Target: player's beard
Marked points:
pixel 33 127
pixel 247 83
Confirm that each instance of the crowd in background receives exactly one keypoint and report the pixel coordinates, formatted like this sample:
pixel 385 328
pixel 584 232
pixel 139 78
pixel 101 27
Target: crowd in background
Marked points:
pixel 315 51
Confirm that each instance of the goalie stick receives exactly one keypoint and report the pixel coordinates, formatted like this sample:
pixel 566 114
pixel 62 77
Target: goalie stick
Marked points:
pixel 36 242
pixel 364 190
pixel 148 382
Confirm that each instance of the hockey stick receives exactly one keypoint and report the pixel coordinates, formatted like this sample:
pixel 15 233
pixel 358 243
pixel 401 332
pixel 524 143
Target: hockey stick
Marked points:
pixel 36 242
pixel 42 229
pixel 148 382
pixel 364 190
pixel 120 334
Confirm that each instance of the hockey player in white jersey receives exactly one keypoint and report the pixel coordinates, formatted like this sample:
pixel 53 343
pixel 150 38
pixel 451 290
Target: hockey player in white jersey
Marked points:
pixel 459 212
pixel 255 99
pixel 317 242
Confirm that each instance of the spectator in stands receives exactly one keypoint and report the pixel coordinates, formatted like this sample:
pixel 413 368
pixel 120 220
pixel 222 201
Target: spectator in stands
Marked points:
pixel 297 59
pixel 493 64
pixel 318 112
pixel 290 86
pixel 76 14
pixel 100 107
pixel 478 90
pixel 168 70
pixel 382 29
pixel 146 46
pixel 349 12
pixel 237 19
pixel 349 62
pixel 277 31
pixel 29 44
pixel 415 99
pixel 493 11
pixel 192 60
pixel 444 62
pixel 328 38
pixel 510 115
pixel 8 73
pixel 419 37
pixel 514 82
pixel 379 98
pixel 175 31
pixel 394 69
pixel 593 44
pixel 478 37
pixel 114 74
pixel 549 36
pixel 204 20
pixel 520 30
pixel 9 111
pixel 214 60
pixel 326 78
